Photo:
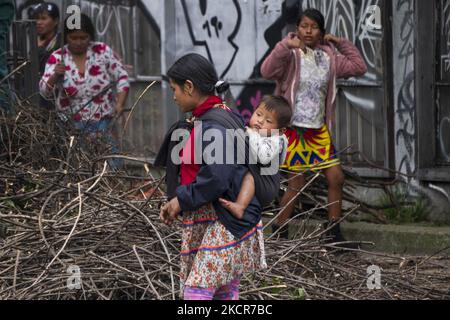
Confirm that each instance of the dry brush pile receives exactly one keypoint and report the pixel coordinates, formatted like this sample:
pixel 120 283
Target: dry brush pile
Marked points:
pixel 66 212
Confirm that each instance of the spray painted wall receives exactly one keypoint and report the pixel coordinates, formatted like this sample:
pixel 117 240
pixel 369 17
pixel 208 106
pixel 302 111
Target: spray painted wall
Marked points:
pixel 445 45
pixel 361 111
pixel 348 19
pixel 444 90
pixel 404 90
pixel 237 35
pixel 135 37
pixel 231 35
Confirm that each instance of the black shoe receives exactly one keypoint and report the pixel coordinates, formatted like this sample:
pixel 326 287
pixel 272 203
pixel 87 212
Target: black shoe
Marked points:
pixel 283 233
pixel 334 236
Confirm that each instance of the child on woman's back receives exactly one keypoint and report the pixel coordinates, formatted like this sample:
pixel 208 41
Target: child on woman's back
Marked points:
pixel 267 142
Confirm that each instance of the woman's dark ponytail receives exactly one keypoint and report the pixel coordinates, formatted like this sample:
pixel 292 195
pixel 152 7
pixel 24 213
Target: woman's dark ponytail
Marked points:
pixel 222 87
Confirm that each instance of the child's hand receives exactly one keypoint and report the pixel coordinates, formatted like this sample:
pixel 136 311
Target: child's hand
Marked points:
pixel 170 211
pixel 225 203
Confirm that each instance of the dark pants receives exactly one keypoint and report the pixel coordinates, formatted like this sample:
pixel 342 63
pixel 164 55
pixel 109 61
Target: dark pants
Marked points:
pixel 6 16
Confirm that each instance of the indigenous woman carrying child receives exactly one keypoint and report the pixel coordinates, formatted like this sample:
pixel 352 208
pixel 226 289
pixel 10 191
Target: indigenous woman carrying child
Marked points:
pixel 216 248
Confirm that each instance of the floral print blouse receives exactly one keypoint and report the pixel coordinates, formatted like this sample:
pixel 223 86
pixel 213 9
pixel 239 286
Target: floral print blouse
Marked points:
pixel 311 97
pixel 81 97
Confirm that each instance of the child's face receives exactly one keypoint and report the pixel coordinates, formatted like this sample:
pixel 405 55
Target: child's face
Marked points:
pixel 262 119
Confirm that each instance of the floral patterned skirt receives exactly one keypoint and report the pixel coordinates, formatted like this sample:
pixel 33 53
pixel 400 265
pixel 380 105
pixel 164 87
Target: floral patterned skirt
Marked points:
pixel 310 149
pixel 211 256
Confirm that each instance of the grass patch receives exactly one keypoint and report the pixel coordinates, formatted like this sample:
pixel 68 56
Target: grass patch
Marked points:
pixel 403 208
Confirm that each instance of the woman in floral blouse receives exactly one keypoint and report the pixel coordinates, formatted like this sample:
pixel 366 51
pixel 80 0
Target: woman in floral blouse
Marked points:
pixel 83 75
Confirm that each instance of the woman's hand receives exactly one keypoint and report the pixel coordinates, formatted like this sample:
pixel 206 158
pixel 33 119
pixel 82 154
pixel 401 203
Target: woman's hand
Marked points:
pixel 170 211
pixel 331 38
pixel 120 104
pixel 296 43
pixel 118 110
pixel 60 70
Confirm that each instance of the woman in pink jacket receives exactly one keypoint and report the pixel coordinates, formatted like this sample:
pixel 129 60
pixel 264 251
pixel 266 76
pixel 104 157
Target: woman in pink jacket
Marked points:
pixel 305 66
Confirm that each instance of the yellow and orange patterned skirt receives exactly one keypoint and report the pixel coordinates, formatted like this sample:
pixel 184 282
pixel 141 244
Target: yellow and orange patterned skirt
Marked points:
pixel 310 149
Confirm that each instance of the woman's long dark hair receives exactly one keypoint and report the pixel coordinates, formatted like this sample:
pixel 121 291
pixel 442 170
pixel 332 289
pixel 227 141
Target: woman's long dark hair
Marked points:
pixel 200 71
pixel 315 15
pixel 86 25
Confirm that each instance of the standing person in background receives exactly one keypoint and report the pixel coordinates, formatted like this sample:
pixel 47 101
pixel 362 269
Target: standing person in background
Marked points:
pixel 83 75
pixel 305 66
pixel 46 15
pixel 49 40
pixel 6 17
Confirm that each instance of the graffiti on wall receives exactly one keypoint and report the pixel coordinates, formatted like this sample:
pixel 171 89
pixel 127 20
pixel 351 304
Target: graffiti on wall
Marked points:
pixel 348 19
pixel 445 40
pixel 444 119
pixel 249 98
pixel 444 133
pixel 405 114
pixel 111 21
pixel 213 30
pixel 223 34
pixel 25 7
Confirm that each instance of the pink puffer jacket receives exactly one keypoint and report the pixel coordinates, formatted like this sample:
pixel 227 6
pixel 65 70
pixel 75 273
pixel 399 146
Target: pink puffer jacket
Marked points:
pixel 283 66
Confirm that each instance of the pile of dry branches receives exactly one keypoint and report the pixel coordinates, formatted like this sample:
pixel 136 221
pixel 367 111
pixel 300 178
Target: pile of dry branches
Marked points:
pixel 66 211
pixel 303 268
pixel 77 230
